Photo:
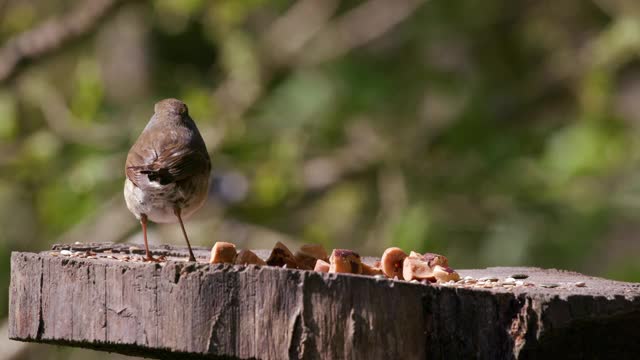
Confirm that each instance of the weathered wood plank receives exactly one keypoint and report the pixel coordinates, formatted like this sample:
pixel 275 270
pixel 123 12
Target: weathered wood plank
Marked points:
pixel 177 309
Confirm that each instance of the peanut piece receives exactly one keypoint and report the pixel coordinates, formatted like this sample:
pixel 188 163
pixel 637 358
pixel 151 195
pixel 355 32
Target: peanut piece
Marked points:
pixel 444 274
pixel 246 257
pixel 223 252
pixel 435 259
pixel 371 270
pixel 315 250
pixel 391 262
pixel 345 261
pixel 415 268
pixel 281 255
pixel 308 254
pixel 322 266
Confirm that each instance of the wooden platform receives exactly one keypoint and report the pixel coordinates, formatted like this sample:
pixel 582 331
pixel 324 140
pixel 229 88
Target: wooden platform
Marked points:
pixel 177 309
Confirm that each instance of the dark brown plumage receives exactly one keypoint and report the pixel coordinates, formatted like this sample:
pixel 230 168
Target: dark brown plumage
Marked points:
pixel 167 169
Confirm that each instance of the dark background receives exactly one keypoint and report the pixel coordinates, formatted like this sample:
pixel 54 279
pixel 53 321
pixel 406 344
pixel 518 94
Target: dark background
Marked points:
pixel 494 132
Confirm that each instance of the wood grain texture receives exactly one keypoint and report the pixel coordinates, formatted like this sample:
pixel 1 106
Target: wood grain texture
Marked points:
pixel 179 310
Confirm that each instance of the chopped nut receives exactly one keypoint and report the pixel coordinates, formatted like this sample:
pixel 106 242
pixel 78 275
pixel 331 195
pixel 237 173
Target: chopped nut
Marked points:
pixel 246 257
pixel 444 274
pixel 315 250
pixel 435 259
pixel 416 268
pixel 391 262
pixel 308 254
pixel 322 266
pixel 549 285
pixel 371 270
pixel 223 252
pixel 281 255
pixel 345 261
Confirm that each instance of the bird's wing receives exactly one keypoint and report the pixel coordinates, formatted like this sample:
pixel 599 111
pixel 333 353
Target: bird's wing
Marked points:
pixel 172 164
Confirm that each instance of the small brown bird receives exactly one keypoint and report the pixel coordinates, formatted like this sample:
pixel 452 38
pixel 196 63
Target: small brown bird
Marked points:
pixel 167 170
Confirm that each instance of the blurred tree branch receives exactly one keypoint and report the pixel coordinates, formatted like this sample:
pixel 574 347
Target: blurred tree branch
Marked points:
pixel 52 35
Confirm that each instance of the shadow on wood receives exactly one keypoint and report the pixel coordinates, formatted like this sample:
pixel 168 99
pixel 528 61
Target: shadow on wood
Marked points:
pixel 178 310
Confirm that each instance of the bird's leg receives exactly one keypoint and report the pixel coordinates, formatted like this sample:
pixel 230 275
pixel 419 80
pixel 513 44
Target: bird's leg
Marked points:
pixel 177 211
pixel 143 222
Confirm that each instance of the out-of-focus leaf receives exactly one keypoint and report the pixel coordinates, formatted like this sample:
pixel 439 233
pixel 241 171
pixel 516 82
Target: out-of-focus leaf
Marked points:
pixel 87 90
pixel 8 116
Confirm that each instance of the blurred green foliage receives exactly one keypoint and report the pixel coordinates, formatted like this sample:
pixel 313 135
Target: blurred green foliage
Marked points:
pixel 497 133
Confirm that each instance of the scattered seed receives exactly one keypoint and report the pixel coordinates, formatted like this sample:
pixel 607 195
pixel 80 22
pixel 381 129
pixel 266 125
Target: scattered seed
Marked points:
pixel 54 253
pixel 509 281
pixel 489 278
pixel 414 281
pixel 77 243
pixel 580 284
pixel 66 252
pixel 520 276
pixel 550 285
pixel 488 285
pixel 379 276
pixel 519 282
pixel 468 278
pixel 110 257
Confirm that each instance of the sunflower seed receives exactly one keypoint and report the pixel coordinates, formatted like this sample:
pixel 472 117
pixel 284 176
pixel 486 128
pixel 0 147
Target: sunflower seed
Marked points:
pixel 520 276
pixel 549 285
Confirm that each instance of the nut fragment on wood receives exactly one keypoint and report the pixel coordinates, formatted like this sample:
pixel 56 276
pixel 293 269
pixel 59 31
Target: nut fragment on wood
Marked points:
pixel 281 256
pixel 322 266
pixel 345 261
pixel 435 259
pixel 308 254
pixel 391 262
pixel 248 257
pixel 444 274
pixel 416 268
pixel 371 270
pixel 315 250
pixel 223 252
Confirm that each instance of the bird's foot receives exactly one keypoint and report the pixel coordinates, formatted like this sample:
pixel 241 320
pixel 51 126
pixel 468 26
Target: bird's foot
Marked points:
pixel 150 258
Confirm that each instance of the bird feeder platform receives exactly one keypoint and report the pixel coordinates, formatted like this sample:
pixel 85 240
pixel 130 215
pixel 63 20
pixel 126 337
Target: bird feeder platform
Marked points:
pixel 103 297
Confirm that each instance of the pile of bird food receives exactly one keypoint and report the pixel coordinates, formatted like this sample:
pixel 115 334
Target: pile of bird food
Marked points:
pixel 394 263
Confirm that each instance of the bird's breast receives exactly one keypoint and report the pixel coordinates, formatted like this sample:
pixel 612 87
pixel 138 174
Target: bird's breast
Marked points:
pixel 158 202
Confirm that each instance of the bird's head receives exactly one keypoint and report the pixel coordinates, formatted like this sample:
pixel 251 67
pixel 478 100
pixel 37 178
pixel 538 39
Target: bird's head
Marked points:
pixel 170 107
